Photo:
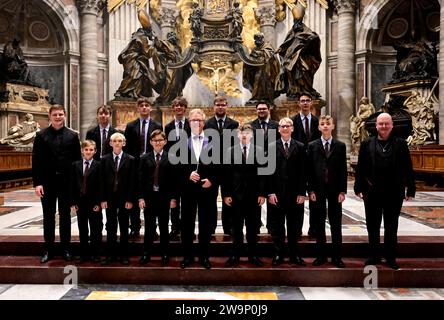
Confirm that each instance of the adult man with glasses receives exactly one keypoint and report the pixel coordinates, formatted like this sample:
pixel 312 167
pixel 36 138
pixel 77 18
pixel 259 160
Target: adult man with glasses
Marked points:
pixel 224 125
pixel 306 130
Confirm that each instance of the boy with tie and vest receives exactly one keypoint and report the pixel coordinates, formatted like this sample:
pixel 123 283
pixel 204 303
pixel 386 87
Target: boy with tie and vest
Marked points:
pixel 327 181
pixel 174 130
pixel 101 133
pixel 85 201
pixel 156 194
pixel 306 130
pixel 137 134
pixel 117 196
pixel 286 194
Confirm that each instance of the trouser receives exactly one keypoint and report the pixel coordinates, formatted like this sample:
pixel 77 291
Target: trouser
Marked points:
pixel 226 212
pixel 157 207
pixel 175 213
pixel 87 217
pixel 57 191
pixel 117 216
pixel 134 215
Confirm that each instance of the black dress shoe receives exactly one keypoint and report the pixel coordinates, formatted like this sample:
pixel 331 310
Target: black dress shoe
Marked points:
pixel 205 262
pixel 165 259
pixel 96 259
pixel 83 259
pixel 297 260
pixel 144 259
pixel 392 264
pixel 372 261
pixel 338 262
pixel 186 262
pixel 45 257
pixel 107 260
pixel 67 255
pixel 124 261
pixel 232 261
pixel 256 261
pixel 174 235
pixel 319 261
pixel 311 233
pixel 277 260
pixel 134 234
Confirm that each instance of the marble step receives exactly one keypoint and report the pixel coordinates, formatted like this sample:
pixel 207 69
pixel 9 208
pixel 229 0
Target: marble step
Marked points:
pixel 414 273
pixel 353 246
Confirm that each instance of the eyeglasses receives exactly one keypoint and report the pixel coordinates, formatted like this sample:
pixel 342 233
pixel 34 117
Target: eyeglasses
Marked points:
pixel 285 126
pixel 158 140
pixel 262 109
pixel 196 121
pixel 305 101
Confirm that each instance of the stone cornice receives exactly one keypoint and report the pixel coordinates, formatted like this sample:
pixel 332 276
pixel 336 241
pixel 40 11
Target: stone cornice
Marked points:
pixel 91 6
pixel 343 6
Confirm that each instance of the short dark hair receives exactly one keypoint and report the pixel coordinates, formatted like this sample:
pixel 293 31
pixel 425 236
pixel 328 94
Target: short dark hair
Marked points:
pixel 305 94
pixel 57 107
pixel 263 102
pixel 180 101
pixel 105 108
pixel 144 99
pixel 156 133
pixel 220 98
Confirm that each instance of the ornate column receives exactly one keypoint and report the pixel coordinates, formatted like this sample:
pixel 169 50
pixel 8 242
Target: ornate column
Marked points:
pixel 168 17
pixel 266 15
pixel 346 68
pixel 88 10
pixel 441 76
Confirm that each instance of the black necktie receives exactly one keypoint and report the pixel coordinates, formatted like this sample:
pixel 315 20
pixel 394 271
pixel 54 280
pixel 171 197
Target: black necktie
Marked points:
pixel 116 169
pixel 307 128
pixel 156 172
pixel 286 148
pixel 180 125
pixel 264 127
pixel 85 173
pixel 327 149
pixel 102 151
pixel 244 155
pixel 142 138
pixel 221 125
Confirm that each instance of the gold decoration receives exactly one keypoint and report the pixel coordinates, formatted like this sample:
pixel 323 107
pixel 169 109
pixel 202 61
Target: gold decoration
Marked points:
pixel 113 5
pixel 144 19
pixel 281 6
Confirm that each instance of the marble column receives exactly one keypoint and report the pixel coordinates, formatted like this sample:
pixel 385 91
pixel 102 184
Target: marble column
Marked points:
pixel 441 76
pixel 346 69
pixel 266 15
pixel 168 15
pixel 88 10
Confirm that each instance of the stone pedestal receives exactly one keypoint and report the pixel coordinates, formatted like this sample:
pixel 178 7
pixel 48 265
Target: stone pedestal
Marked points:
pixel 16 100
pixel 125 110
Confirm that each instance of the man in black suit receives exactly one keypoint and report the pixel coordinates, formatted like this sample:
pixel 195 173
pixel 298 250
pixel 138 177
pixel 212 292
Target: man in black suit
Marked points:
pixel 286 194
pixel 244 190
pixel 55 149
pixel 268 134
pixel 137 135
pixel 225 126
pixel 173 131
pixel 327 181
pixel 157 193
pixel 306 129
pixel 101 133
pixel 196 176
pixel 383 174
pixel 117 196
pixel 85 200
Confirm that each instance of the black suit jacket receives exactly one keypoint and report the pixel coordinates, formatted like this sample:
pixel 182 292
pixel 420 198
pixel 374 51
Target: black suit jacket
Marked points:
pixel 242 180
pixel 335 164
pixel 126 188
pixel 95 134
pixel 167 179
pixel 92 195
pixel 271 125
pixel 47 161
pixel 228 124
pixel 132 135
pixel 171 126
pixel 365 170
pixel 299 132
pixel 289 178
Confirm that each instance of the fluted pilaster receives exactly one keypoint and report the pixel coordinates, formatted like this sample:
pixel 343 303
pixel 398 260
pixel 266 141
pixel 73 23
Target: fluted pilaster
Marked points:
pixel 441 76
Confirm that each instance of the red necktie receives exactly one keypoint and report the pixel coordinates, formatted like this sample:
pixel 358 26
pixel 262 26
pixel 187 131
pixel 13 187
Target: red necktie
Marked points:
pixel 307 128
pixel 85 173
pixel 102 151
pixel 156 172
pixel 142 138
pixel 116 169
pixel 286 148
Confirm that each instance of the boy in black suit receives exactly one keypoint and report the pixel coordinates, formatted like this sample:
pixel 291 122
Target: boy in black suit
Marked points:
pixel 117 193
pixel 327 181
pixel 178 127
pixel 286 195
pixel 137 134
pixel 244 190
pixel 85 200
pixel 156 194
pixel 101 133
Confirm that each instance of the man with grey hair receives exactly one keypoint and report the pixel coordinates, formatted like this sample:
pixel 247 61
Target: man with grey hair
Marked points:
pixel 383 174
